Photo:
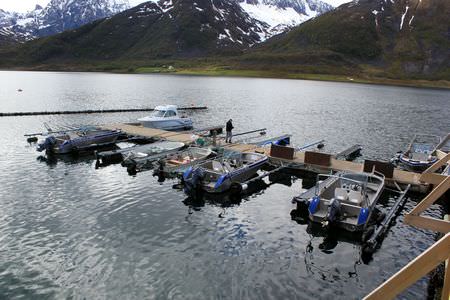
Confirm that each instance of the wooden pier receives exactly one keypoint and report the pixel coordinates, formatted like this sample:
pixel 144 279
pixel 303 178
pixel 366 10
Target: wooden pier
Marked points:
pixel 307 160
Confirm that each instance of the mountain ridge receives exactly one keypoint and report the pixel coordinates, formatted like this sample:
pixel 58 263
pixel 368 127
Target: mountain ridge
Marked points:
pixel 61 15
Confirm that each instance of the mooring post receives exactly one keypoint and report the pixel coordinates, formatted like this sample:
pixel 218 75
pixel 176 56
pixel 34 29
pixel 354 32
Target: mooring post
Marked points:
pixel 214 132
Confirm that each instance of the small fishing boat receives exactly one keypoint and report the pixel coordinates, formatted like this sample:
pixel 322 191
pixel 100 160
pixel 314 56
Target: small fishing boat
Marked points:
pixel 345 200
pixel 166 117
pixel 167 163
pixel 140 153
pixel 181 160
pixel 77 140
pixel 420 153
pixel 217 176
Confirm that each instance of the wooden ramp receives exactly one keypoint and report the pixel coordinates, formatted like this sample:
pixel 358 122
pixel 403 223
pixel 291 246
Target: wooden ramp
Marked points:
pixel 184 137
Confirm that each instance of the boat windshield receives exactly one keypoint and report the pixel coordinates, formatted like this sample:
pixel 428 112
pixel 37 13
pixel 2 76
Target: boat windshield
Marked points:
pixel 159 113
pixel 354 181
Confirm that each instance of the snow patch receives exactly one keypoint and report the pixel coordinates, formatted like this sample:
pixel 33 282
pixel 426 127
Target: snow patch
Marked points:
pixel 403 17
pixel 277 19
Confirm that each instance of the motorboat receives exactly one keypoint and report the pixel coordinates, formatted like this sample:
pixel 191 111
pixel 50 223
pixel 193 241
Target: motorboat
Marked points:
pixel 166 117
pixel 180 161
pixel 420 153
pixel 64 142
pixel 344 200
pixel 217 176
pixel 169 162
pixel 145 152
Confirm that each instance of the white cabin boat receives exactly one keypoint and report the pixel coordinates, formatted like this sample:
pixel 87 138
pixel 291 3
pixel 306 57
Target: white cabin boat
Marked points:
pixel 166 117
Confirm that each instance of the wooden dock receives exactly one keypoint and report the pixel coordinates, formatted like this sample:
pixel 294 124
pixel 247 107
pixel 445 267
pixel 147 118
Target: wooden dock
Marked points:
pixel 310 161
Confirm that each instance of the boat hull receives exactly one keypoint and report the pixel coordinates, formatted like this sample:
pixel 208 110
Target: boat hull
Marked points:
pixel 415 165
pixel 223 181
pixel 83 141
pixel 176 124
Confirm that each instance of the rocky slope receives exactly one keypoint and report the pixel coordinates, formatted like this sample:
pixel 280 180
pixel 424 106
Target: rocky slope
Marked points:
pixel 395 38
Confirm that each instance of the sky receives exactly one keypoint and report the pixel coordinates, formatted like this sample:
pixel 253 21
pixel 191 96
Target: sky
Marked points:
pixel 26 5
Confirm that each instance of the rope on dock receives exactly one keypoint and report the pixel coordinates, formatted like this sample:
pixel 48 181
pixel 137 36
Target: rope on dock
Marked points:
pixel 89 111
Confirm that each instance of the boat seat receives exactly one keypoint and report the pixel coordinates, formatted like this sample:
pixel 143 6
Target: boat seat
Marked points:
pixel 227 168
pixel 216 166
pixel 355 198
pixel 419 156
pixel 340 194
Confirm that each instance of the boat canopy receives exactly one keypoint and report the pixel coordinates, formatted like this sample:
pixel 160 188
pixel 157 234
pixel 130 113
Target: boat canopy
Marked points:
pixel 165 111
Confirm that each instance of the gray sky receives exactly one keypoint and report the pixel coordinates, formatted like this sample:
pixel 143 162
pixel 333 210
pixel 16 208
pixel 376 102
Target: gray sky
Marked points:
pixel 25 5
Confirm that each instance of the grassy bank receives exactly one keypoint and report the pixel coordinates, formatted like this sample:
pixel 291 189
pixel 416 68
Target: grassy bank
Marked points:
pixel 218 71
pixel 212 68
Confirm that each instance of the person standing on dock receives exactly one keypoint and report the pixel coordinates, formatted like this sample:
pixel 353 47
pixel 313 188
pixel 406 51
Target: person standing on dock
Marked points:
pixel 229 128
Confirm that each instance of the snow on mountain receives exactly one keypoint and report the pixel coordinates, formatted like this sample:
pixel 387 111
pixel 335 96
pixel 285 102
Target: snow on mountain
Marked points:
pixel 281 15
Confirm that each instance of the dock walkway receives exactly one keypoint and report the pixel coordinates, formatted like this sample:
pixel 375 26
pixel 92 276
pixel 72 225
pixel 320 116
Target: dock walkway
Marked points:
pixel 299 160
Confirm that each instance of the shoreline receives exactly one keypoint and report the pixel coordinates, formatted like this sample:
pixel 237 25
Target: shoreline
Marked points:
pixel 251 73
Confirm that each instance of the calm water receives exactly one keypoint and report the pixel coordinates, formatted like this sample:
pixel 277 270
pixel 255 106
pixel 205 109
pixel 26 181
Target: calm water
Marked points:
pixel 68 230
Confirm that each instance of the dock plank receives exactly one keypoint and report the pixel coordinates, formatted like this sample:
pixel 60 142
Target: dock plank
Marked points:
pixel 151 132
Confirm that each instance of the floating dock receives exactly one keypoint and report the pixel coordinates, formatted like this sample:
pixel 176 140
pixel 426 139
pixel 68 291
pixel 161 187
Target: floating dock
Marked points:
pixel 88 111
pixel 303 160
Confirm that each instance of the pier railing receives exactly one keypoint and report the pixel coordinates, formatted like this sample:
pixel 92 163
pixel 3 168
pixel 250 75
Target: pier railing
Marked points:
pixel 416 269
pixel 434 255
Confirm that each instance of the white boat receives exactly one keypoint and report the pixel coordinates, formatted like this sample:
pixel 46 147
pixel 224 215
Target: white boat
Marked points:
pixel 166 117
pixel 346 200
pixel 217 176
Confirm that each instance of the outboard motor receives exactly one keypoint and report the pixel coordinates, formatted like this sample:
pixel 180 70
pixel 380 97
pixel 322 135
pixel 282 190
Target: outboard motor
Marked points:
pixel 47 144
pixel 194 183
pixel 334 211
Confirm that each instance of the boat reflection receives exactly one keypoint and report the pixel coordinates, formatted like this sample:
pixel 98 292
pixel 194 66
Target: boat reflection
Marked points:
pixel 200 198
pixel 330 237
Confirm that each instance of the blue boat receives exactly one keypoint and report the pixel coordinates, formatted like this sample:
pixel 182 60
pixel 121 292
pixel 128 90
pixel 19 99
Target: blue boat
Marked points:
pixel 344 200
pixel 420 154
pixel 77 140
pixel 217 176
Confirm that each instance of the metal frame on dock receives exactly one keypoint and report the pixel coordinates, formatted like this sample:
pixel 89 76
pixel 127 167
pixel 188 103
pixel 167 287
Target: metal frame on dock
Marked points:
pixel 434 255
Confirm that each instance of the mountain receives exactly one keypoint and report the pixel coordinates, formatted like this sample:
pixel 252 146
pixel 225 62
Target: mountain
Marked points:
pixel 178 28
pixel 394 38
pixel 57 16
pixel 275 16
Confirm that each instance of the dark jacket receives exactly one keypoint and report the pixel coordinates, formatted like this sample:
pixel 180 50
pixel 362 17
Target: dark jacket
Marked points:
pixel 229 126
